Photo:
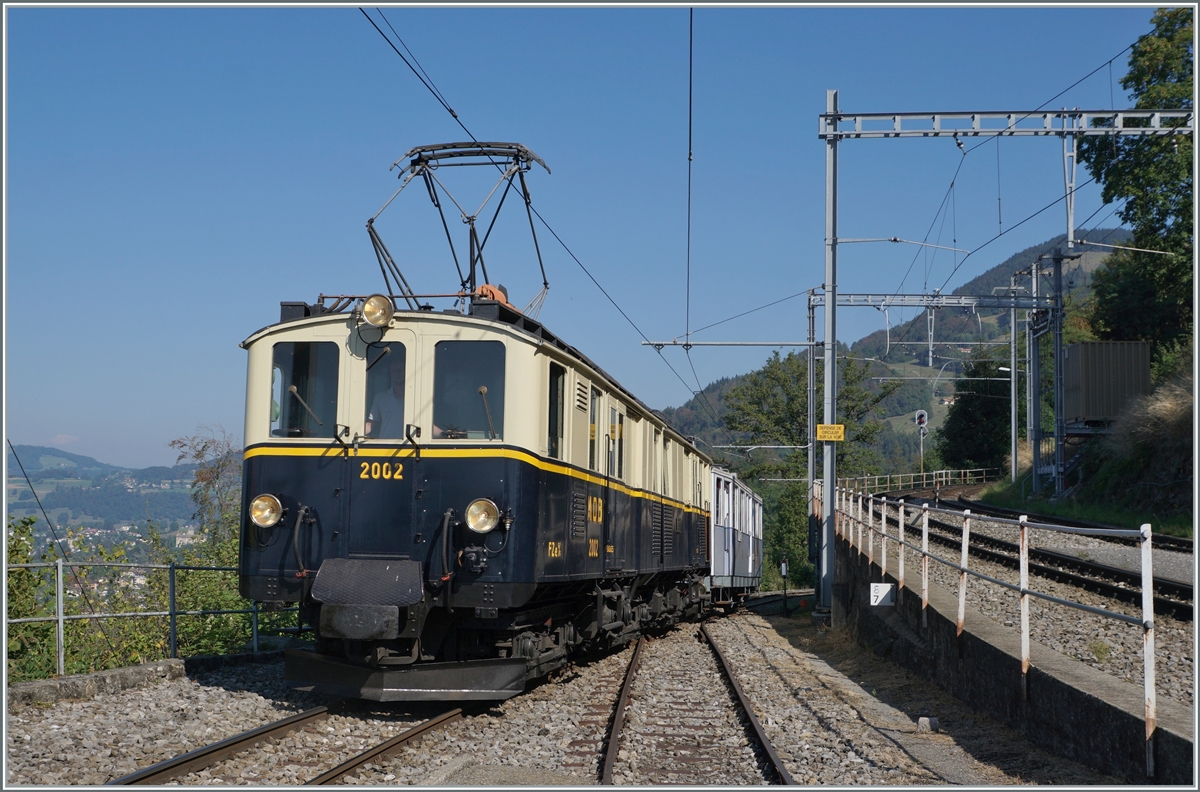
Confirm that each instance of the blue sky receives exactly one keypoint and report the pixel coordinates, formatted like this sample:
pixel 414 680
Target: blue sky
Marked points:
pixel 172 174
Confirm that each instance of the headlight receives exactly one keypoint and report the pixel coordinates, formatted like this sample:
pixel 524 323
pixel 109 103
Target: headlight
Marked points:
pixel 265 511
pixel 377 310
pixel 482 515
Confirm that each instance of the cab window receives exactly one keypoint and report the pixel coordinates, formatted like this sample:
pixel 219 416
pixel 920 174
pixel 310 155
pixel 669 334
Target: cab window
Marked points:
pixel 468 390
pixel 384 416
pixel 304 389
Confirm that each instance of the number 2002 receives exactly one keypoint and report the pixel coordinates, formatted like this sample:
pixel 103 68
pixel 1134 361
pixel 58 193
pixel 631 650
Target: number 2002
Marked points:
pixel 381 470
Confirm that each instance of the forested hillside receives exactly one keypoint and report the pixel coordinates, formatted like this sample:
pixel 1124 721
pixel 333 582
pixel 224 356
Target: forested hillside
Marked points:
pixel 963 325
pixel 80 491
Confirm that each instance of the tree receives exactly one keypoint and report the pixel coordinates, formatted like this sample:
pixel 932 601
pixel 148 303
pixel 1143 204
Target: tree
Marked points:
pixel 1146 296
pixel 217 486
pixel 771 404
pixel 976 433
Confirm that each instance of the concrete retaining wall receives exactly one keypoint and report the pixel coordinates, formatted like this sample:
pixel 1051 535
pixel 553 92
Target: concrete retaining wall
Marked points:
pixel 87 686
pixel 1070 708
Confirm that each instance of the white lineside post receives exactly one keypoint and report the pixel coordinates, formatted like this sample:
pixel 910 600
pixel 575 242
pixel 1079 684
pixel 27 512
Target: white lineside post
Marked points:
pixel 900 535
pixel 924 563
pixel 843 504
pixel 839 527
pixel 962 575
pixel 858 520
pixel 1024 542
pixel 870 536
pixel 883 541
pixel 59 630
pixel 855 517
pixel 861 524
pixel 1148 646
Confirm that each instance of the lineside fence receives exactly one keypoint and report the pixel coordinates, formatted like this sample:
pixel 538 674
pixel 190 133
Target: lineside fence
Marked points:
pixel 913 481
pixel 862 520
pixel 173 612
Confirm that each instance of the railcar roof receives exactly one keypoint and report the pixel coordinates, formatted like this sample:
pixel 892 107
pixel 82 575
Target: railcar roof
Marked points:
pixel 488 310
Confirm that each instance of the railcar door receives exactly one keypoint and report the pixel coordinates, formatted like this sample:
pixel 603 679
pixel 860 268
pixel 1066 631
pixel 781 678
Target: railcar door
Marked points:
pixel 383 467
pixel 616 512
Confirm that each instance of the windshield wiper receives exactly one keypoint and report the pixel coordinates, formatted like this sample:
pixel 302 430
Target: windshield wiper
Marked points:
pixel 292 390
pixel 488 410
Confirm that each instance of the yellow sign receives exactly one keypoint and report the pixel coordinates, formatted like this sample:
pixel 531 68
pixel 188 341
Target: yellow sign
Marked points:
pixel 831 432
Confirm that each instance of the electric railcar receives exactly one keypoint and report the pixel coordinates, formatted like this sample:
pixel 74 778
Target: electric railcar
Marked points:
pixel 459 501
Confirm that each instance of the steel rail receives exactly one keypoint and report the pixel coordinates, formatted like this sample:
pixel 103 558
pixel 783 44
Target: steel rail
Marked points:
pixel 416 732
pixel 781 772
pixel 614 732
pixel 211 754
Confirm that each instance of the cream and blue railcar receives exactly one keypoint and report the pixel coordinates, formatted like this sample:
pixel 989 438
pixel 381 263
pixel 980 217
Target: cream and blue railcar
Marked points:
pixel 735 544
pixel 517 504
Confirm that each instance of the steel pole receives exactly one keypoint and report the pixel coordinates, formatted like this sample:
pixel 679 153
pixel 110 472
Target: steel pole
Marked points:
pixel 1012 380
pixel 1060 429
pixel 1033 428
pixel 814 524
pixel 1070 159
pixel 825 595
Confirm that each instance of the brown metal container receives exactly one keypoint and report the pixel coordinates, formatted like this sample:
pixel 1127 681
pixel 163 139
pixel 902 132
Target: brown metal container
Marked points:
pixel 1100 377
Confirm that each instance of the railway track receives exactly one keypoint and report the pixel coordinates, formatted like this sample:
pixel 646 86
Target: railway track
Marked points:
pixel 678 736
pixel 691 742
pixel 1160 541
pixel 1171 597
pixel 202 758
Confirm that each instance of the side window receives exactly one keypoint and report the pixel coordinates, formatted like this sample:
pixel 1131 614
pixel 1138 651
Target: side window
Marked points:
pixel 384 416
pixel 616 448
pixel 558 385
pixel 304 389
pixel 468 390
pixel 666 471
pixel 594 418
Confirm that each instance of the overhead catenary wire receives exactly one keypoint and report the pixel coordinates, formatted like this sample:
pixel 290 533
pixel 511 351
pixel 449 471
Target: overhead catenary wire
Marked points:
pixel 966 151
pixel 431 84
pixel 699 392
pixel 1013 228
pixel 534 210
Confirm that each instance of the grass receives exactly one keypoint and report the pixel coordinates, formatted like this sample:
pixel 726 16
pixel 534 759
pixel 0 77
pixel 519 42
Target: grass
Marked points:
pixel 1100 650
pixel 1008 495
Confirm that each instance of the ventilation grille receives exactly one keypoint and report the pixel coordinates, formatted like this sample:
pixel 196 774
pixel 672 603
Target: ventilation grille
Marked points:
pixel 581 396
pixel 670 523
pixel 656 529
pixel 578 513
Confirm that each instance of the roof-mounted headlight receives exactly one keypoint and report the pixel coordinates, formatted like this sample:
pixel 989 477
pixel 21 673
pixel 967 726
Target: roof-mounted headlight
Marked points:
pixel 265 511
pixel 482 515
pixel 377 310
